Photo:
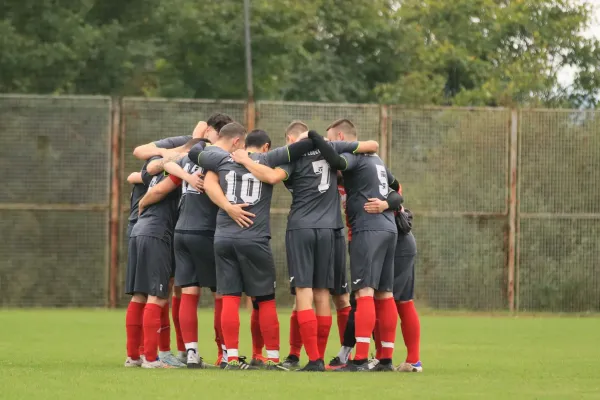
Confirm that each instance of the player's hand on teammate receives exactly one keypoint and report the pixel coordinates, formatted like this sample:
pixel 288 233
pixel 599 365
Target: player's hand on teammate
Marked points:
pixel 303 135
pixel 200 130
pixel 376 206
pixel 196 181
pixel 239 215
pixel 241 156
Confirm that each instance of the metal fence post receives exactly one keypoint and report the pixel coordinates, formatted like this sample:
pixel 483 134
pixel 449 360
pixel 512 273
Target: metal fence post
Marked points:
pixel 512 208
pixel 115 200
pixel 250 114
pixel 384 136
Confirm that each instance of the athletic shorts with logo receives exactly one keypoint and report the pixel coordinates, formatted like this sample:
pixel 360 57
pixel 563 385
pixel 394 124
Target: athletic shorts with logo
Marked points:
pixel 404 267
pixel 195 259
pixel 149 266
pixel 244 266
pixel 372 260
pixel 310 257
pixel 340 282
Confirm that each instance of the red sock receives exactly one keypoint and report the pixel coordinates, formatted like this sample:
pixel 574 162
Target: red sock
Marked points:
pixel 257 338
pixel 342 320
pixel 152 314
pixel 230 324
pixel 365 323
pixel 388 321
pixel 176 304
pixel 377 335
pixel 142 338
pixel 307 320
pixel 295 337
pixel 269 327
pixel 164 339
pixel 133 326
pixel 217 326
pixel 323 329
pixel 411 330
pixel 188 317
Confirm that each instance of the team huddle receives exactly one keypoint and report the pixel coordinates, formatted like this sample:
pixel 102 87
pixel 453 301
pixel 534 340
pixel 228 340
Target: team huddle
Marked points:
pixel 200 218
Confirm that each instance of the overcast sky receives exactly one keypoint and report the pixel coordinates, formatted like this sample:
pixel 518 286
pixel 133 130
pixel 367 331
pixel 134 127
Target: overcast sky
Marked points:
pixel 566 76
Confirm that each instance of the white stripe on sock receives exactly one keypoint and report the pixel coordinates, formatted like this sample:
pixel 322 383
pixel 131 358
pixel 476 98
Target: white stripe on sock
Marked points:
pixel 232 353
pixel 363 339
pixel 389 345
pixel 272 353
pixel 192 345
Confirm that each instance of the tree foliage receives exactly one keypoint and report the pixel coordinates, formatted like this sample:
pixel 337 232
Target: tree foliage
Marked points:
pixel 464 52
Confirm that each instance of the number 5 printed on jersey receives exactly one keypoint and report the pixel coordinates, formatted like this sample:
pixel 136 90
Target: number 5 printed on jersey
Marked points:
pixel 250 189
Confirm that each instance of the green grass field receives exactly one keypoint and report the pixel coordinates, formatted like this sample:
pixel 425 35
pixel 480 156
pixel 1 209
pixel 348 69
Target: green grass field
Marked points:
pixel 78 354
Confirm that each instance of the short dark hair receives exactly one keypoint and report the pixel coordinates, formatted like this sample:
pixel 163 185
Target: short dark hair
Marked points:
pixel 344 125
pixel 232 130
pixel 257 138
pixel 218 121
pixel 296 127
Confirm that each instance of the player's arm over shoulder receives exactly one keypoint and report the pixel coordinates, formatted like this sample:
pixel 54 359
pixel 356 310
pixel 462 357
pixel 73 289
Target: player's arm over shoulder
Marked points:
pixel 159 148
pixel 158 192
pixel 369 146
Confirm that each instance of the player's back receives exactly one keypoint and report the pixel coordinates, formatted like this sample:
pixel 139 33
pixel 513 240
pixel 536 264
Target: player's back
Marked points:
pixel 315 201
pixel 366 177
pixel 240 187
pixel 313 183
pixel 196 211
pixel 159 218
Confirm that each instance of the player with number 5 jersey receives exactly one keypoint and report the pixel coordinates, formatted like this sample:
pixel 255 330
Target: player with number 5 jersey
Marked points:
pixel 373 245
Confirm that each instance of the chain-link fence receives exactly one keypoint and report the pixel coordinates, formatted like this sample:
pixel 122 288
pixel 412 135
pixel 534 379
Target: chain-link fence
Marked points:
pixel 55 155
pixel 454 166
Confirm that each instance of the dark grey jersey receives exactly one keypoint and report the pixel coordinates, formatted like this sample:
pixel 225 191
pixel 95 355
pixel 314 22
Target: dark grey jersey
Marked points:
pixel 139 189
pixel 240 187
pixel 313 183
pixel 196 211
pixel 365 177
pixel 158 219
pixel 172 142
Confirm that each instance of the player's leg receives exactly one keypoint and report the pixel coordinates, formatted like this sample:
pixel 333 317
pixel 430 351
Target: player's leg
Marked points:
pixel 135 310
pixel 154 255
pixel 292 361
pixel 230 285
pixel 257 339
pixel 219 341
pixel 385 308
pixel 340 292
pixel 348 340
pixel 258 272
pixel 175 308
pixel 404 282
pixel 300 245
pixel 186 277
pixel 363 253
pixel 323 283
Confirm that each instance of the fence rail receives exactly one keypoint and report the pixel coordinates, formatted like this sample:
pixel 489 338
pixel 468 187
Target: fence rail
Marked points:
pixel 506 202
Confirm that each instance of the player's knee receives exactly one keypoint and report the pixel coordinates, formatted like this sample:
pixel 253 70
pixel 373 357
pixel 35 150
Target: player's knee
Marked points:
pixel 405 301
pixel 341 301
pixel 159 301
pixel 192 290
pixel 365 292
pixel 383 295
pixel 177 291
pixel 138 298
pixel 213 289
pixel 236 294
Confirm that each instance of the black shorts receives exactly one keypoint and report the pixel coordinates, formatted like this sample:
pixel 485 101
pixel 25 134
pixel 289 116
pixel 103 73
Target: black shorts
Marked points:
pixel 310 257
pixel 340 282
pixel 404 267
pixel 372 260
pixel 195 260
pixel 244 265
pixel 149 266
